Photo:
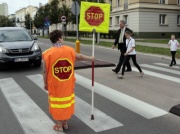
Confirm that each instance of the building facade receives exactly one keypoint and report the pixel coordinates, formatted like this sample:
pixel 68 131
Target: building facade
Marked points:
pixel 20 15
pixel 4 9
pixel 147 18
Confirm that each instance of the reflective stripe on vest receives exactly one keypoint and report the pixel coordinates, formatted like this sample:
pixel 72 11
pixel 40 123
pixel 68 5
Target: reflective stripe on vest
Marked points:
pixel 64 102
pixel 62 105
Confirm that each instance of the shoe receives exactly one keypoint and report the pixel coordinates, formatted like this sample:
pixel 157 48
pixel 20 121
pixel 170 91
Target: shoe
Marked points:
pixel 174 64
pixel 170 65
pixel 57 128
pixel 128 70
pixel 141 74
pixel 65 126
pixel 120 76
pixel 114 70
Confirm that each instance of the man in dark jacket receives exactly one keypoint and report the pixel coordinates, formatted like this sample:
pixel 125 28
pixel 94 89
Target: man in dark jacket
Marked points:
pixel 121 41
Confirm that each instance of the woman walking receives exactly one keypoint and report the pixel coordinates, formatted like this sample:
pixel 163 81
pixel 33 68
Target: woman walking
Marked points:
pixel 173 44
pixel 130 53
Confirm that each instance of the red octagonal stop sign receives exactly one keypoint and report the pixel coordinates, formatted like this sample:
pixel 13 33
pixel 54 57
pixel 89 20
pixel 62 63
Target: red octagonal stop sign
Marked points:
pixel 62 69
pixel 94 16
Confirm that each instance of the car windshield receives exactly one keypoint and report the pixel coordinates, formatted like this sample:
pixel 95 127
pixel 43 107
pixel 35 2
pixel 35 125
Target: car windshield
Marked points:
pixel 14 35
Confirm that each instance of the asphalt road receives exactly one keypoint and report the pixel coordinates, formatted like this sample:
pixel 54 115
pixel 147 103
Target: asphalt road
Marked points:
pixel 132 105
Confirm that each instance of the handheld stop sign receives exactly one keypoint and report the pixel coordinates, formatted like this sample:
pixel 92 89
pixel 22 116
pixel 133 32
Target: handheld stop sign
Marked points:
pixel 94 17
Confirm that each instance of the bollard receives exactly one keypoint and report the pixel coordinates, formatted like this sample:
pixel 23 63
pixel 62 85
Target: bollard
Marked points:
pixel 77 46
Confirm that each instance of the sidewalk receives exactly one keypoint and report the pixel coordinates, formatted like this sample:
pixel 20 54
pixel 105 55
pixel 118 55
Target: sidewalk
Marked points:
pixel 139 43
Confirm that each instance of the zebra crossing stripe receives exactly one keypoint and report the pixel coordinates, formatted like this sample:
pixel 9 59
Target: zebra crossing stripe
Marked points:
pixel 83 111
pixel 161 69
pixel 165 65
pixel 32 119
pixel 144 109
pixel 158 75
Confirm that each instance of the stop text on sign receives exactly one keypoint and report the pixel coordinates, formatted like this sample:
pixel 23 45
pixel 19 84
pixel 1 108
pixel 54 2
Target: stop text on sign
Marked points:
pixel 94 16
pixel 62 69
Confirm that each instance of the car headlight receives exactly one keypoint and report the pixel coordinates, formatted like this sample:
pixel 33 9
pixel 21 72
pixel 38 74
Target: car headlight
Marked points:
pixel 3 50
pixel 35 47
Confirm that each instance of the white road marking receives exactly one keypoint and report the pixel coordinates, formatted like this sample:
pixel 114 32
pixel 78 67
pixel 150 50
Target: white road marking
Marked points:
pixel 166 65
pixel 161 69
pixel 144 109
pixel 32 119
pixel 158 75
pixel 102 121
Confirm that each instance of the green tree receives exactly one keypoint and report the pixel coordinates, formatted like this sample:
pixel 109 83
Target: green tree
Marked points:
pixel 40 16
pixel 5 22
pixel 73 17
pixel 54 12
pixel 100 1
pixel 65 11
pixel 28 21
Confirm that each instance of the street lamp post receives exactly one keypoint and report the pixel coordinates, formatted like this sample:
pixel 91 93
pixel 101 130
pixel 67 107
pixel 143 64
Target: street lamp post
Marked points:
pixel 30 26
pixel 30 16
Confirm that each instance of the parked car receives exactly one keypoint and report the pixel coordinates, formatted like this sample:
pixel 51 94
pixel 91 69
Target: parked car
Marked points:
pixel 17 46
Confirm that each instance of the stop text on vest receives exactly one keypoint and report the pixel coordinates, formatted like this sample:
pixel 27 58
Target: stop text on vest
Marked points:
pixel 62 69
pixel 94 16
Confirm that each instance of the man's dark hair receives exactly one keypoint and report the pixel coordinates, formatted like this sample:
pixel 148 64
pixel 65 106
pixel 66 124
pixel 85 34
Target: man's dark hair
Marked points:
pixel 55 35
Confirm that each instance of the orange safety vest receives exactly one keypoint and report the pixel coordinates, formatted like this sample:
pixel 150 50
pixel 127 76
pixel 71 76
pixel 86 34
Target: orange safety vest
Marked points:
pixel 60 79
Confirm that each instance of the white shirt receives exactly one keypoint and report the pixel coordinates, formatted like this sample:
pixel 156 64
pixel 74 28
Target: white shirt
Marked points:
pixel 173 45
pixel 122 35
pixel 130 43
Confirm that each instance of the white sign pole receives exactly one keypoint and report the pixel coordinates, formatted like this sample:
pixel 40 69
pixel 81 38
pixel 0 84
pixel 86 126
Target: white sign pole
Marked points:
pixel 92 112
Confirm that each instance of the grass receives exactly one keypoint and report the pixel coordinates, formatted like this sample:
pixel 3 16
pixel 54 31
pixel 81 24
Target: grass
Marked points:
pixel 163 41
pixel 139 48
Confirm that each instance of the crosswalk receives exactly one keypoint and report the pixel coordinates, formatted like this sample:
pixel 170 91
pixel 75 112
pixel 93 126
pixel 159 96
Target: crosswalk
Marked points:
pixel 104 122
pixel 32 117
pixel 162 67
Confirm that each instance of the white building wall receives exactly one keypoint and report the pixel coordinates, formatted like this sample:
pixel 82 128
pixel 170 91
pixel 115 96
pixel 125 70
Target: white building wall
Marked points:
pixel 4 9
pixel 133 21
pixel 149 22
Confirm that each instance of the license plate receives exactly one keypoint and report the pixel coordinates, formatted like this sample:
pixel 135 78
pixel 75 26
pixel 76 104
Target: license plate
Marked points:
pixel 21 59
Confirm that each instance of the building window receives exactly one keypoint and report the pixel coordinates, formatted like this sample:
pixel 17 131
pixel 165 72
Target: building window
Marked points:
pixel 178 19
pixel 110 2
pixel 117 20
pixel 162 1
pixel 162 19
pixel 126 19
pixel 178 2
pixel 110 21
pixel 118 3
pixel 126 5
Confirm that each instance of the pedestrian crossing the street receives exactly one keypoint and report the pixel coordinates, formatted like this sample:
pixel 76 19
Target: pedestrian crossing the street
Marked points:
pixel 32 117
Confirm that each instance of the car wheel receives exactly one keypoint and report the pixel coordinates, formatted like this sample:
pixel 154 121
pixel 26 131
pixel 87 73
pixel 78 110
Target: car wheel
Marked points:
pixel 37 63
